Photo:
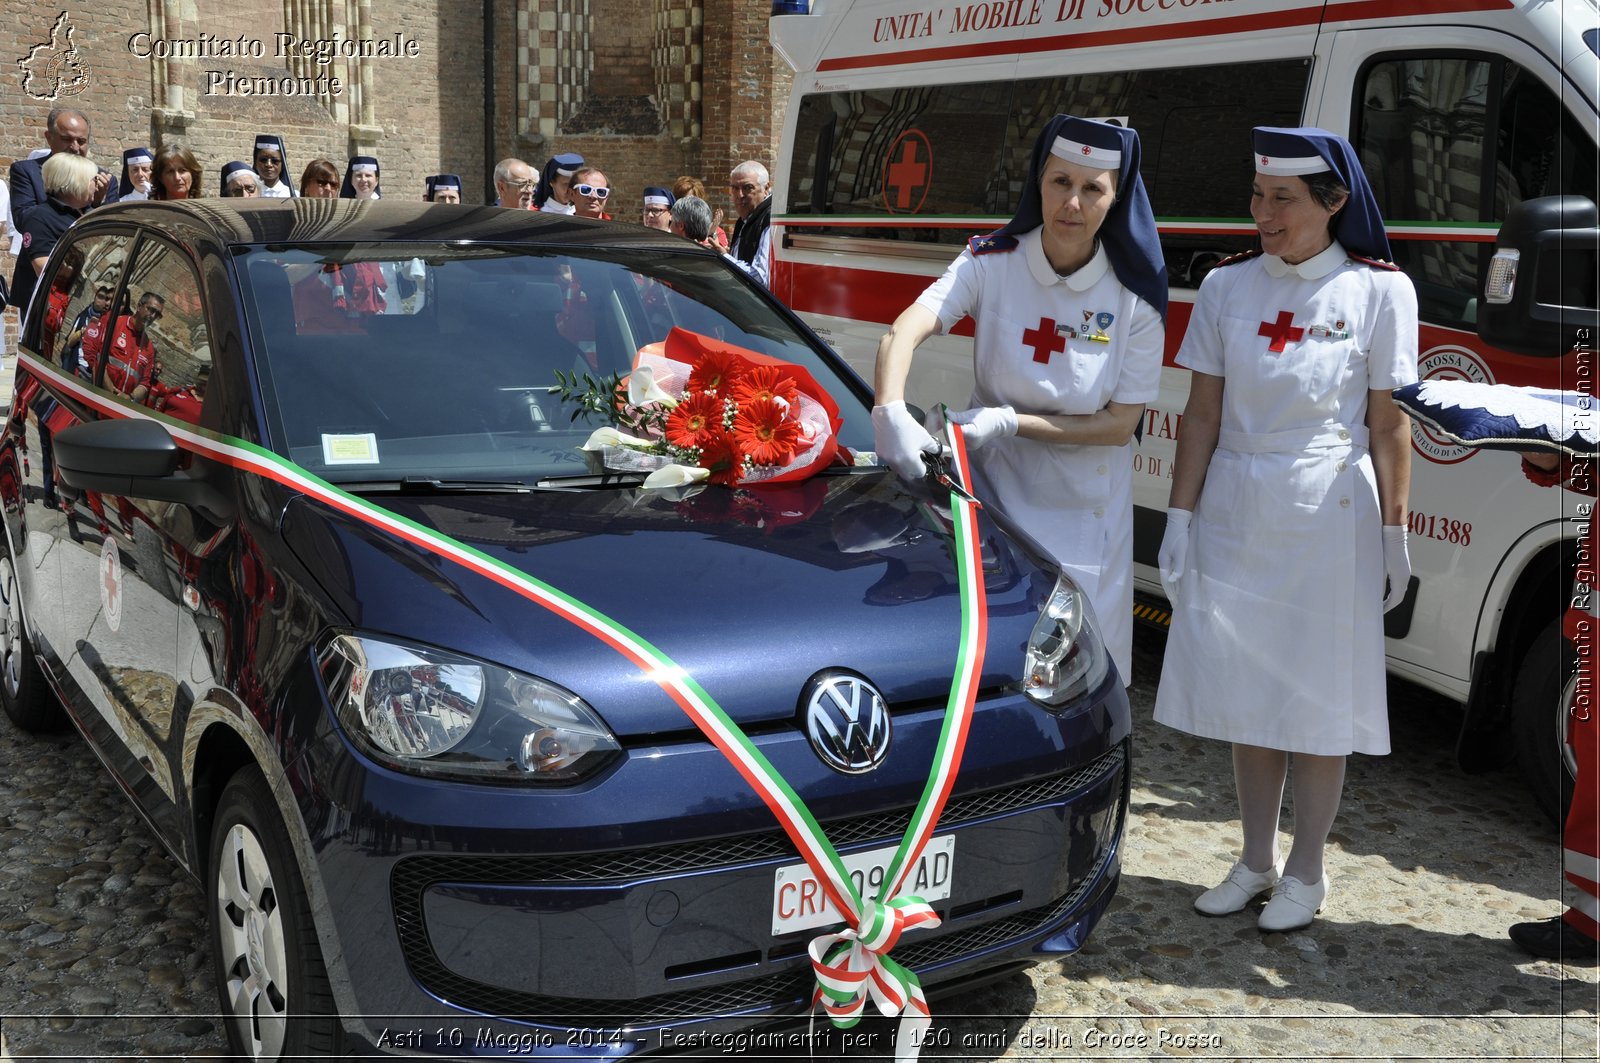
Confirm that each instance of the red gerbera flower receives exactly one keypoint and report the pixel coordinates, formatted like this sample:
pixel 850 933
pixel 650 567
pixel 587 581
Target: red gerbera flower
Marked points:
pixel 766 382
pixel 720 455
pixel 766 434
pixel 717 371
pixel 695 421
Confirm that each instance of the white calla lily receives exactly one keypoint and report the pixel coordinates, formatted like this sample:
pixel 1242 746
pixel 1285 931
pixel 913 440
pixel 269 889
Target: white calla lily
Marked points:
pixel 608 436
pixel 642 388
pixel 675 476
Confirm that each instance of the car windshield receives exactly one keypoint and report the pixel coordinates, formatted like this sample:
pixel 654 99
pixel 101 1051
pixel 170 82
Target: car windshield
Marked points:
pixel 385 362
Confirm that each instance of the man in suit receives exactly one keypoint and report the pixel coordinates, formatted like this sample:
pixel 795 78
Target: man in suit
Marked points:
pixel 66 129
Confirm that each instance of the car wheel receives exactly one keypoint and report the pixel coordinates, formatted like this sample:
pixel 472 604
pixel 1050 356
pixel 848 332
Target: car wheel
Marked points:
pixel 28 701
pixel 1539 703
pixel 276 1001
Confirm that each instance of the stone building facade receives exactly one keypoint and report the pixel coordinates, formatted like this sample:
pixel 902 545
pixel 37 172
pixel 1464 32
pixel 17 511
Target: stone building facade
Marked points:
pixel 646 89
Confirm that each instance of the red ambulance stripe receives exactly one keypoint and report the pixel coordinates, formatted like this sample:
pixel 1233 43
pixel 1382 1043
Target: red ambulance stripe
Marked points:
pixel 1354 11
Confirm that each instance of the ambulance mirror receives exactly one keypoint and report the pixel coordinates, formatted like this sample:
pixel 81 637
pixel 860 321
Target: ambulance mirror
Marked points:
pixel 1542 289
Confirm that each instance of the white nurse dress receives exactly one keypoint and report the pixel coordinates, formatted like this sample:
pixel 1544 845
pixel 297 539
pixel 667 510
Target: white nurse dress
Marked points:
pixel 1048 344
pixel 1277 637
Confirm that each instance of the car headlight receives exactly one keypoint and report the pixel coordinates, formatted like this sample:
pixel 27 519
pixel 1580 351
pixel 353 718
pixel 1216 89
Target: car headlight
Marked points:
pixel 1066 658
pixel 430 712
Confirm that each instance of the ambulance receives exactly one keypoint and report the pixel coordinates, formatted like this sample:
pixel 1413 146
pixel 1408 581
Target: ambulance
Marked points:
pixel 909 129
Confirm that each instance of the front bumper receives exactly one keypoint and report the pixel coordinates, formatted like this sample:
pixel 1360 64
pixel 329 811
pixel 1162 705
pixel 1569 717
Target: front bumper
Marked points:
pixel 639 906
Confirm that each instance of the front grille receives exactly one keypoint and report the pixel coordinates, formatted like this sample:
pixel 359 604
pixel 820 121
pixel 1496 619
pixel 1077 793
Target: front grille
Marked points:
pixel 786 992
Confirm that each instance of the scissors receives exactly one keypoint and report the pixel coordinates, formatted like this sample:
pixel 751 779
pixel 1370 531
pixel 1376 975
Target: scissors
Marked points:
pixel 939 464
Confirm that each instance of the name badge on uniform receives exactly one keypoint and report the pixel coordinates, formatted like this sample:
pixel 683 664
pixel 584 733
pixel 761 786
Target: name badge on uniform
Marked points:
pixel 1336 331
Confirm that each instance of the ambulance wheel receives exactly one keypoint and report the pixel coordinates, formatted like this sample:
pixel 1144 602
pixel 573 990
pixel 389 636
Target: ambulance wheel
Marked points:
pixel 28 701
pixel 276 1000
pixel 1539 704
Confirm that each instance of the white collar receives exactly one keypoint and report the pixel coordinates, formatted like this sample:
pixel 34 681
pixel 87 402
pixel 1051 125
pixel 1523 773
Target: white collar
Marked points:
pixel 1080 280
pixel 1314 268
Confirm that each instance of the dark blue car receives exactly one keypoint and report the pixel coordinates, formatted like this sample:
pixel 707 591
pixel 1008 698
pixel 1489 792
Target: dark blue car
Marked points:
pixel 278 523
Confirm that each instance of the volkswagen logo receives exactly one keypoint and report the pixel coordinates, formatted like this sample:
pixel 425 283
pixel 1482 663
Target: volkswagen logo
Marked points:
pixel 847 722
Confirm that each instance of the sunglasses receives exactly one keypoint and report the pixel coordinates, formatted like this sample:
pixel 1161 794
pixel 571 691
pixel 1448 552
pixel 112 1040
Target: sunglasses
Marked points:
pixel 591 190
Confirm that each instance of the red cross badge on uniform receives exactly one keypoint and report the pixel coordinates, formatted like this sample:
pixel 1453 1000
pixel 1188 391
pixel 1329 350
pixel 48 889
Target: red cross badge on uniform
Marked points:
pixel 1085 149
pixel 1044 340
pixel 1280 332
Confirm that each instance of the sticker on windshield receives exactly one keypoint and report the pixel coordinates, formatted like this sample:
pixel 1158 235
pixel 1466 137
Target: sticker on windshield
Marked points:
pixel 350 449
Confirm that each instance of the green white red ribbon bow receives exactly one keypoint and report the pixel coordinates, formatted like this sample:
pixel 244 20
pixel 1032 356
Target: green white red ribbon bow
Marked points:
pixel 852 965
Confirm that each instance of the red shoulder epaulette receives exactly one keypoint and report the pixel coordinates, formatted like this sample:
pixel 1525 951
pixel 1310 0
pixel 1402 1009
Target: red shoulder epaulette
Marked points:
pixel 1375 263
pixel 1242 256
pixel 988 245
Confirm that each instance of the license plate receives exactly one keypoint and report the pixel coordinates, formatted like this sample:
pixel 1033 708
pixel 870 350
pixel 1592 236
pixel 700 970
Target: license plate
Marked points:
pixel 798 902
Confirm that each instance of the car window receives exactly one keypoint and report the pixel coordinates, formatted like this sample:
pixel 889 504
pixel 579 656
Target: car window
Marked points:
pixel 156 348
pixel 88 266
pixel 464 386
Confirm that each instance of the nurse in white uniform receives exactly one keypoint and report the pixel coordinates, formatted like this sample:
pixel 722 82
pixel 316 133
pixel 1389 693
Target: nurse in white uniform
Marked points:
pixel 554 194
pixel 1070 301
pixel 1288 509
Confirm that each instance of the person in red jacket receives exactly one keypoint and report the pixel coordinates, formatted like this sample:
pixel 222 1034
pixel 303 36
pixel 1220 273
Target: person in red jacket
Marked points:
pixel 130 364
pixel 1574 936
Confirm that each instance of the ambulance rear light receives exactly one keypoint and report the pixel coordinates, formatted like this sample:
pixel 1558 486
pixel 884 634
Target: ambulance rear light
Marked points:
pixel 1502 280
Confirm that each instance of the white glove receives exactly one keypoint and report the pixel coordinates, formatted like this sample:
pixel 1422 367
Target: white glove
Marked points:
pixel 1396 564
pixel 1173 557
pixel 982 424
pixel 900 440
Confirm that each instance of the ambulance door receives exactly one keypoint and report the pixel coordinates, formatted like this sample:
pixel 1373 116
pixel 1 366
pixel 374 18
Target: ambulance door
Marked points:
pixel 1454 125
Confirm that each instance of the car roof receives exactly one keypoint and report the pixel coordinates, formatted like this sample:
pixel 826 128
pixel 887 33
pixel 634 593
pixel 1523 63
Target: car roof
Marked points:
pixel 301 220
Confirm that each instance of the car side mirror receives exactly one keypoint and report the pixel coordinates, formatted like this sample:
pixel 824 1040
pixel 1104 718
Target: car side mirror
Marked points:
pixel 134 457
pixel 1540 295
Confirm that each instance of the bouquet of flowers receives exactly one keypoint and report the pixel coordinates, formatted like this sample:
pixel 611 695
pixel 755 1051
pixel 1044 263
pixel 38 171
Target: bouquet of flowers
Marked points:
pixel 698 409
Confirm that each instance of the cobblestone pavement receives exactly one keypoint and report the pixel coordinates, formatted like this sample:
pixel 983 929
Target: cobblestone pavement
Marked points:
pixel 102 946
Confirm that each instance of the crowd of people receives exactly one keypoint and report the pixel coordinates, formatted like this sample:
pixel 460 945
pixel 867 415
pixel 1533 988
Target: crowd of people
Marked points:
pixel 50 196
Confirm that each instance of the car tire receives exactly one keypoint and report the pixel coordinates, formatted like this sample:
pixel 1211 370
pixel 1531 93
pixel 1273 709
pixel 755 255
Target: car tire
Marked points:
pixel 28 700
pixel 1539 703
pixel 274 991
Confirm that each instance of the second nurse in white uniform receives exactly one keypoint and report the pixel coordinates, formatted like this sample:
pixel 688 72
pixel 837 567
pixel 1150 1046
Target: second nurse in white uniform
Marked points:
pixel 1288 509
pixel 1070 302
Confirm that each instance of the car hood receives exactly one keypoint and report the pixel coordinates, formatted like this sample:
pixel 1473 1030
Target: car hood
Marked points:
pixel 751 591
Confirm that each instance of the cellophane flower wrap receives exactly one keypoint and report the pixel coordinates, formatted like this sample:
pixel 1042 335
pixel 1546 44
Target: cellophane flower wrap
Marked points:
pixel 696 403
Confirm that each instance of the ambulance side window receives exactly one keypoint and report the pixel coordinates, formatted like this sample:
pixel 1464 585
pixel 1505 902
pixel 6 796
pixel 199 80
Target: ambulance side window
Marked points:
pixel 1436 131
pixel 943 162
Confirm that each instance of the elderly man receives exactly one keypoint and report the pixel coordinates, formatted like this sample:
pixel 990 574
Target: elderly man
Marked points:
pixel 514 184
pixel 751 189
pixel 66 130
pixel 692 220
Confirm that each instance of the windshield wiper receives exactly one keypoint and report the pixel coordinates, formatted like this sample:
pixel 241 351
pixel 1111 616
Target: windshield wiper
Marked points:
pixel 422 485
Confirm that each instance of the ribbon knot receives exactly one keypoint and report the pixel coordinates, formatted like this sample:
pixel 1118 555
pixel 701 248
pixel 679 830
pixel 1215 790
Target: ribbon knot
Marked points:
pixel 853 964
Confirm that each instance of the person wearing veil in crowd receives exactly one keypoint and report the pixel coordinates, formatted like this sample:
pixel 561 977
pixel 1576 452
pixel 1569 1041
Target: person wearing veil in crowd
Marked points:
pixel 554 194
pixel 442 188
pixel 137 170
pixel 272 166
pixel 1288 510
pixel 361 179
pixel 239 181
pixel 1070 302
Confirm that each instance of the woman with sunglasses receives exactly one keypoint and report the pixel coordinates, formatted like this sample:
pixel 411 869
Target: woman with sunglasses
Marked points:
pixel 590 190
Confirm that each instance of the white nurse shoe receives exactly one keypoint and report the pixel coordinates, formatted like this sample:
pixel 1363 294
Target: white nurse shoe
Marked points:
pixel 1294 904
pixel 1237 890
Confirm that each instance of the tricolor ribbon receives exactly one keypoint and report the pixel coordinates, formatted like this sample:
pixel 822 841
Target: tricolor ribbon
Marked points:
pixel 851 965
